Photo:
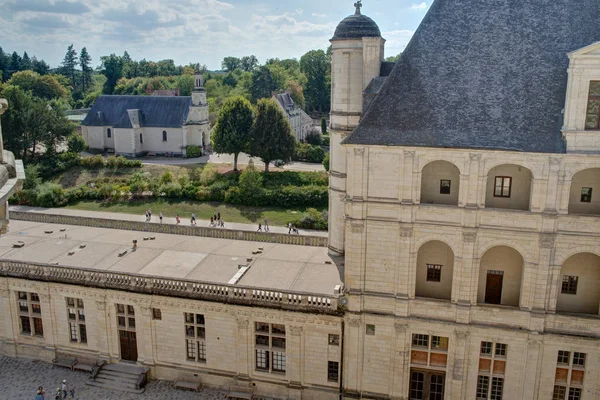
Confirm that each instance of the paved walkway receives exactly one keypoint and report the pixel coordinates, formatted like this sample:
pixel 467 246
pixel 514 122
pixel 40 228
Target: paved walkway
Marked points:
pixel 185 219
pixel 20 378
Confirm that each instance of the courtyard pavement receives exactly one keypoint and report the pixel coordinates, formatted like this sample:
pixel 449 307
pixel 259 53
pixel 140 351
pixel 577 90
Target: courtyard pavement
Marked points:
pixel 185 219
pixel 20 378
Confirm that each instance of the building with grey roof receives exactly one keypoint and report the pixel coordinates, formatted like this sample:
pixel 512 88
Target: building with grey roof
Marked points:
pixel 300 122
pixel 138 125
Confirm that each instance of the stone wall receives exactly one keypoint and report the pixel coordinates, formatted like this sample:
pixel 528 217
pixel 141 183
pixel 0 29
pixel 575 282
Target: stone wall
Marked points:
pixel 268 237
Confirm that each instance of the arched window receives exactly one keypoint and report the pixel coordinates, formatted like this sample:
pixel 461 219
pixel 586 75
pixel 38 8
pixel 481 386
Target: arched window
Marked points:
pixel 141 138
pixel 164 136
pixel 108 133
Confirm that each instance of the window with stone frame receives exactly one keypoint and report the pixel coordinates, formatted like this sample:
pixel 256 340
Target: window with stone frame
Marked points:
pixel 434 273
pixel 76 320
pixel 125 317
pixel 569 284
pixel 492 366
pixel 570 372
pixel 445 185
pixel 270 347
pixel 164 136
pixel 429 350
pixel 333 371
pixel 586 195
pixel 334 340
pixel 30 314
pixel 195 337
pixel 502 186
pixel 108 133
pixel 592 118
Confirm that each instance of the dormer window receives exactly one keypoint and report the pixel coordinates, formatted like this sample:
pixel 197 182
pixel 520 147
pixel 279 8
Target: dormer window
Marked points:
pixel 592 120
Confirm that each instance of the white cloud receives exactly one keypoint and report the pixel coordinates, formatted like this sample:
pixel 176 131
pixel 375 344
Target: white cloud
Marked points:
pixel 319 15
pixel 396 40
pixel 421 6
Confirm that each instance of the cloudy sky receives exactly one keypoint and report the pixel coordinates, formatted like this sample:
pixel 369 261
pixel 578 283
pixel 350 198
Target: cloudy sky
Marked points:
pixel 187 31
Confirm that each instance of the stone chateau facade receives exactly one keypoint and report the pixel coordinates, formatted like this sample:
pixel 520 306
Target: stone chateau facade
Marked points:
pixel 463 259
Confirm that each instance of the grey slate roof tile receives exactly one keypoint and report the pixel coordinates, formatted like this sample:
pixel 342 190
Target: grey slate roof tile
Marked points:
pixel 483 74
pixel 155 111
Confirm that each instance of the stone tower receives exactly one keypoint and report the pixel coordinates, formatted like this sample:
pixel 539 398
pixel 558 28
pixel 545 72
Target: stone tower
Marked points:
pixel 197 125
pixel 356 56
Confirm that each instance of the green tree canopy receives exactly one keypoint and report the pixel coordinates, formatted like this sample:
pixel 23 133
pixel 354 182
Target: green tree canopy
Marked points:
pixel 45 87
pixel 393 58
pixel 69 64
pixel 112 68
pixel 316 65
pixel 233 130
pixel 231 63
pixel 272 137
pixel 262 83
pixel 86 70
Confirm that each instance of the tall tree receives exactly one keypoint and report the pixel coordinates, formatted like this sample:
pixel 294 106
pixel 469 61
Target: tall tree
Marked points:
pixel 272 137
pixel 248 63
pixel 234 128
pixel 112 69
pixel 316 65
pixel 69 65
pixel 26 62
pixel 231 63
pixel 4 65
pixel 262 83
pixel 86 71
pixel 14 64
pixel 39 66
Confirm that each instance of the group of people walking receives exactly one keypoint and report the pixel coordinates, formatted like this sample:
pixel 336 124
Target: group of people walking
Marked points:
pixel 216 221
pixel 61 393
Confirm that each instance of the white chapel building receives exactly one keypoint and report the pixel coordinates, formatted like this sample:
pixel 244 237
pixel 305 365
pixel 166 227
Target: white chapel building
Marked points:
pixel 137 125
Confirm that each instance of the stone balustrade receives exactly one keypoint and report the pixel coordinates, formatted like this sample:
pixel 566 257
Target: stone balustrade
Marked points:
pixel 224 293
pixel 218 233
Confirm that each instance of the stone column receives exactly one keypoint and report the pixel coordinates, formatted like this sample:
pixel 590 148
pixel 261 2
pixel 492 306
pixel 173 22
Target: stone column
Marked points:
pixel 353 358
pixel 473 195
pixel 3 108
pixel 103 330
pixel 405 272
pixel 553 192
pixel 48 321
pixel 459 364
pixel 530 378
pixel 7 340
pixel 543 279
pixel 294 358
pixel 407 187
pixel 145 336
pixel 401 357
pixel 244 359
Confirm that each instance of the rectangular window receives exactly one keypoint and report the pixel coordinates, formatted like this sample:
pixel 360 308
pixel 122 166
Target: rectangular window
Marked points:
pixel 30 312
pixel 445 186
pixel 483 387
pixel 569 284
pixel 563 357
pixel 125 317
pixel 76 320
pixel 370 329
pixel 439 342
pixel 156 314
pixel 164 135
pixel 497 385
pixel 333 368
pixel 334 340
pixel 108 133
pixel 570 372
pixel 579 359
pixel 500 350
pixel 420 340
pixel 502 186
pixel 434 273
pixel 141 139
pixel 195 334
pixel 592 119
pixel 586 195
pixel 486 348
pixel 559 392
pixel 270 346
pixel 574 394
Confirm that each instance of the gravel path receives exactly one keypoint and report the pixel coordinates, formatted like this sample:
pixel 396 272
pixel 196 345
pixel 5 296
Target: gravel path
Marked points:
pixel 19 379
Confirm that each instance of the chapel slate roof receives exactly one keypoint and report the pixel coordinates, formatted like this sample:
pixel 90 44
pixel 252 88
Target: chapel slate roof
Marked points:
pixel 355 27
pixel 483 74
pixel 155 111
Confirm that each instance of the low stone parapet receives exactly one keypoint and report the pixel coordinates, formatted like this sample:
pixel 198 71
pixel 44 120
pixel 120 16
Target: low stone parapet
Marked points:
pixel 218 233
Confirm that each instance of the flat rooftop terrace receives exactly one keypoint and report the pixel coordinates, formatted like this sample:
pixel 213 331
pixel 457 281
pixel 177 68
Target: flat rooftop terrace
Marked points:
pixel 279 267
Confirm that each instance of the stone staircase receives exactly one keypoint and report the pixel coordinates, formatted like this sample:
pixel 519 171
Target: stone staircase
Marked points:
pixel 121 376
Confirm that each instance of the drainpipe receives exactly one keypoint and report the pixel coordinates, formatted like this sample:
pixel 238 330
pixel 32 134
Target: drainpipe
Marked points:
pixel 342 364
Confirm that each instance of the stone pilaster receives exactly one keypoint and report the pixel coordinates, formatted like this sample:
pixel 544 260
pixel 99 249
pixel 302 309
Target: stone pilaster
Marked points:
pixel 243 351
pixel 407 187
pixel 48 321
pixel 459 366
pixel 467 273
pixel 543 279
pixel 475 182
pixel 533 358
pixel 401 359
pixel 294 355
pixel 353 348
pixel 144 333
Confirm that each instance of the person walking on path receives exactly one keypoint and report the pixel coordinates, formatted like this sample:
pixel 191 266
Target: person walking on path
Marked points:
pixel 40 394
pixel 259 228
pixel 160 217
pixel 266 225
pixel 146 215
pixel 218 216
pixel 193 221
pixel 289 228
pixel 64 388
pixel 177 218
pixel 211 222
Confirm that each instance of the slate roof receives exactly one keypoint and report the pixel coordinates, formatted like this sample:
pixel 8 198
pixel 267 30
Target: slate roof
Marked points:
pixel 386 68
pixel 155 111
pixel 355 27
pixel 483 74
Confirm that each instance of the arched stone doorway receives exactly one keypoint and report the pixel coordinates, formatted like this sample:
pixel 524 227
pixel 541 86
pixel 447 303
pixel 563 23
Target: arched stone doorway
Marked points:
pixel 500 277
pixel 435 266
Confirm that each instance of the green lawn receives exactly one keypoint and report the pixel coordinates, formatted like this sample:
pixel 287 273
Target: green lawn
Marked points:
pixel 169 208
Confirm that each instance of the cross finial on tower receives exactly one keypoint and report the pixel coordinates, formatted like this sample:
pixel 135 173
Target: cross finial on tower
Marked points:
pixel 358 6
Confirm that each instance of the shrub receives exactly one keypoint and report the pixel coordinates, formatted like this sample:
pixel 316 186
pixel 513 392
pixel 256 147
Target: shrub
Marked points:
pixel 326 162
pixel 193 151
pixel 323 125
pixel 32 177
pixel 94 162
pixel 171 190
pixel 312 219
pixel 75 143
pixel 217 191
pixel 295 178
pixel 166 177
pixel 250 184
pixel 208 175
pixel 309 153
pixel 313 137
pixel 293 196
pixel 325 140
pixel 49 195
pixel 111 162
pixel 183 179
pixel 203 194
